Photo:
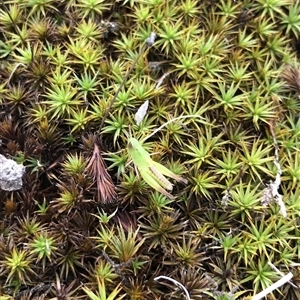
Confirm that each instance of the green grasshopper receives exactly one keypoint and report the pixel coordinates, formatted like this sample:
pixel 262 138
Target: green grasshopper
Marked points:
pixel 153 172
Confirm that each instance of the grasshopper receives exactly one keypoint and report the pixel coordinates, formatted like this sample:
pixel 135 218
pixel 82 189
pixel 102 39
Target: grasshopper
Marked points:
pixel 153 172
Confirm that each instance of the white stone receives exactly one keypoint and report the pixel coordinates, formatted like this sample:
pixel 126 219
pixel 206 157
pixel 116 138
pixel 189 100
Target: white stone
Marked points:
pixel 10 174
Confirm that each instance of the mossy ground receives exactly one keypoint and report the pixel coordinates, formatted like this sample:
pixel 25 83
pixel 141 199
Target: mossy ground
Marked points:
pixel 85 225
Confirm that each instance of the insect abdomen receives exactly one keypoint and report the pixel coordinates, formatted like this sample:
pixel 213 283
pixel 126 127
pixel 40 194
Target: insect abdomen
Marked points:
pixel 164 181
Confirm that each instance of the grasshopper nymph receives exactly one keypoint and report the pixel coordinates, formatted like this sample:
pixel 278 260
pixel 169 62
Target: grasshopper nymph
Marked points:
pixel 152 172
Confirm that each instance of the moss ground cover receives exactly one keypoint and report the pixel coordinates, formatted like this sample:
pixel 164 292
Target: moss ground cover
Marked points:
pixel 85 225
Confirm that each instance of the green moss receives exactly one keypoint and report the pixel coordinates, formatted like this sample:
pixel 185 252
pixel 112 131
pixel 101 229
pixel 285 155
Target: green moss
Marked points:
pixel 73 75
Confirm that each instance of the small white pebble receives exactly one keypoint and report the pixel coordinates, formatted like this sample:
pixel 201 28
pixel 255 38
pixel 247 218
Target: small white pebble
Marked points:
pixel 10 174
pixel 151 39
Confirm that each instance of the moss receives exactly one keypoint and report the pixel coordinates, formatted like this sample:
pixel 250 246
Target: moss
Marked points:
pixel 73 75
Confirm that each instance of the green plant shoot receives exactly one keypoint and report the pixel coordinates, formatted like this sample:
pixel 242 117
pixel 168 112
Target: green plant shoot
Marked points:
pixel 153 172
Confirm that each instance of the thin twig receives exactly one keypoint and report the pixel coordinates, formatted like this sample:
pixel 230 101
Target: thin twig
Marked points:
pixel 281 274
pixel 13 71
pixel 176 283
pixel 168 122
pixel 273 287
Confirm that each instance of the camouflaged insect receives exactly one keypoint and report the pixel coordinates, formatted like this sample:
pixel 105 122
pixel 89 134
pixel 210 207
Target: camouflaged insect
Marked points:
pixel 152 172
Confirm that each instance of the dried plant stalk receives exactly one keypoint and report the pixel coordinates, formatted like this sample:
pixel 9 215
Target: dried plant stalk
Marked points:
pixel 291 75
pixel 106 192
